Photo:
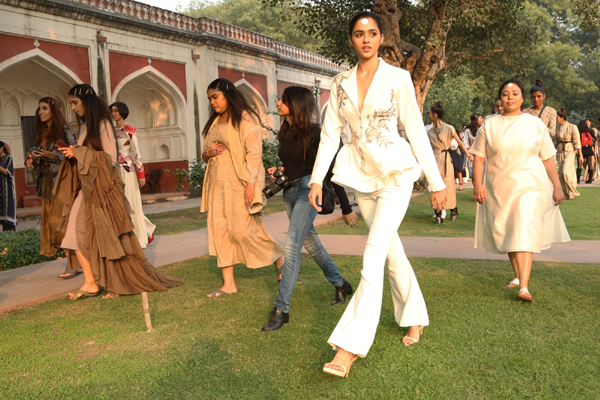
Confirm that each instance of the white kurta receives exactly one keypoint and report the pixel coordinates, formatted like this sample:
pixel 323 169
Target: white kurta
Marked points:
pixel 519 214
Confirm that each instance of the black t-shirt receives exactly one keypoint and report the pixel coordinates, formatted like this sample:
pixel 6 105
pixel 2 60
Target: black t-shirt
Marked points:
pixel 292 154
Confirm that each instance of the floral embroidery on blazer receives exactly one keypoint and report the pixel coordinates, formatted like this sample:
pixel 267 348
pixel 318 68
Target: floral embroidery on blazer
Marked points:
pixel 129 154
pixel 379 144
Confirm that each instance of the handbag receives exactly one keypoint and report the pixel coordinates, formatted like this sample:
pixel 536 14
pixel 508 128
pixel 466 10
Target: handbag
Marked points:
pixel 328 198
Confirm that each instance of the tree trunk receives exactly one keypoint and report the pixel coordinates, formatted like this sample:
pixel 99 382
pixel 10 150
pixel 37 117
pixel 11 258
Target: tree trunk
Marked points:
pixel 424 66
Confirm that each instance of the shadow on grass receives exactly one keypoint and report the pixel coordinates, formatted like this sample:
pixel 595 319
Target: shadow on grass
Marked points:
pixel 481 343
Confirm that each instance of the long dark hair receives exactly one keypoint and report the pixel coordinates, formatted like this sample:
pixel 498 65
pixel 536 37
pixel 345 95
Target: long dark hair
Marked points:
pixel 583 126
pixel 474 124
pixel 236 104
pixel 302 105
pixel 6 148
pixel 96 112
pixel 438 109
pixel 45 137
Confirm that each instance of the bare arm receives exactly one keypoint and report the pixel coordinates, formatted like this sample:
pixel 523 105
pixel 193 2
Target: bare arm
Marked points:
pixel 558 194
pixel 462 146
pixel 479 193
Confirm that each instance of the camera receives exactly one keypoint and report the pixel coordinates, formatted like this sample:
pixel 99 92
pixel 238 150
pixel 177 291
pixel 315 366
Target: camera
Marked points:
pixel 280 182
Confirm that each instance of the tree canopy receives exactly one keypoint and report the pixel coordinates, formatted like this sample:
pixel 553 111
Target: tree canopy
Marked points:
pixel 426 37
pixel 275 22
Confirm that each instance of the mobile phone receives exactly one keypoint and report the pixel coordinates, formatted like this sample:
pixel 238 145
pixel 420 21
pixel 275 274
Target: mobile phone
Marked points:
pixel 60 144
pixel 35 149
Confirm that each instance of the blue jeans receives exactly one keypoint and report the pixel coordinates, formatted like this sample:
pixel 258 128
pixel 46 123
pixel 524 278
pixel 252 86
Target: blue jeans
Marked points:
pixel 302 231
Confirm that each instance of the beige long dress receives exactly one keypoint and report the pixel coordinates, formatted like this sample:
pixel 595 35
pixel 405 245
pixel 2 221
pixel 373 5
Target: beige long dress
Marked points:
pixel 440 143
pixel 519 214
pixel 234 235
pixel 567 141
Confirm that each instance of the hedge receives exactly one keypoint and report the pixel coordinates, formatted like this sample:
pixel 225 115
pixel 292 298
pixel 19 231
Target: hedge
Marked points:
pixel 21 248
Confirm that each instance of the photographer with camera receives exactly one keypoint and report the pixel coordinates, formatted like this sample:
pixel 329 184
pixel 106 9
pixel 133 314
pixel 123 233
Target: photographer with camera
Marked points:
pixel 299 141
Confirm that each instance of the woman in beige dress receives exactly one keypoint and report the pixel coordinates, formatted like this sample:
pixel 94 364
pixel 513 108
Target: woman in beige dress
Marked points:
pixel 232 191
pixel 99 236
pixel 520 191
pixel 568 146
pixel 441 135
pixel 546 113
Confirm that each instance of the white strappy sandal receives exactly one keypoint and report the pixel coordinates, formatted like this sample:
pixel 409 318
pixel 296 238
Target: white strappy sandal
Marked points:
pixel 514 283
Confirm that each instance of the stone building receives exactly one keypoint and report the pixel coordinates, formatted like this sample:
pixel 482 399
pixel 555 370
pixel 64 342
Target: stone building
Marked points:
pixel 156 61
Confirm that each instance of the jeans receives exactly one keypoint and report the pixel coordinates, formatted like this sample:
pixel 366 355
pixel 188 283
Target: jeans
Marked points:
pixel 302 232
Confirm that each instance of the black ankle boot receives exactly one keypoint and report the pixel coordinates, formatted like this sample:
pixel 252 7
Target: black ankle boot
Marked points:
pixel 453 214
pixel 579 175
pixel 438 218
pixel 590 178
pixel 278 318
pixel 341 293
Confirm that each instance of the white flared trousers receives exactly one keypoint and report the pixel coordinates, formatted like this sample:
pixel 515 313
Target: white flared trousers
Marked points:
pixel 383 212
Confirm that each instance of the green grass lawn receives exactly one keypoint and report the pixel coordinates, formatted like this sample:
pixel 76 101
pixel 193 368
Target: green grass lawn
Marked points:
pixel 481 343
pixel 190 219
pixel 582 223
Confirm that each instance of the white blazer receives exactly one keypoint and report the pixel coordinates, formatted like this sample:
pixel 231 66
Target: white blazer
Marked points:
pixel 376 155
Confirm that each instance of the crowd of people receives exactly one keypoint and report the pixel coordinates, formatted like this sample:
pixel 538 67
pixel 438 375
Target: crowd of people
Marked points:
pixel 90 187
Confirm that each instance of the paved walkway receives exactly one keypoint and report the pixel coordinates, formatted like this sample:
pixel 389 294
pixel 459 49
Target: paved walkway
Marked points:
pixel 35 283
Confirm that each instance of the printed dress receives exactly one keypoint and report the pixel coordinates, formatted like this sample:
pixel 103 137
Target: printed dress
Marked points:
pixel 567 141
pixel 8 199
pixel 47 166
pixel 547 115
pixel 519 214
pixel 131 170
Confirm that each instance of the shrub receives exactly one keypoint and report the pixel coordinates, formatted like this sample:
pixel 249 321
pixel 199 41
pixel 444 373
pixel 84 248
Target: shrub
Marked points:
pixel 18 249
pixel 194 174
pixel 269 156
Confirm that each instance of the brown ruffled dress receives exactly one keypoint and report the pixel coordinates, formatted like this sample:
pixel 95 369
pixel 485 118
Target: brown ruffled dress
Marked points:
pixel 96 221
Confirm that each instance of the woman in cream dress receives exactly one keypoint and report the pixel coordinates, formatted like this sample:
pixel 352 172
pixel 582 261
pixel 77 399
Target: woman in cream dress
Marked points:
pixel 568 146
pixel 232 191
pixel 518 209
pixel 376 100
pixel 132 172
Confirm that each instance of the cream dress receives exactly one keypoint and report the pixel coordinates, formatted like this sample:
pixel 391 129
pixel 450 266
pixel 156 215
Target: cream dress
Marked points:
pixel 234 235
pixel 519 214
pixel 131 169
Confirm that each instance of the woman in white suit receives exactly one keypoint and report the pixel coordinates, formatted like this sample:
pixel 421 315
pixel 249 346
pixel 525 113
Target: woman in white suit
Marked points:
pixel 376 99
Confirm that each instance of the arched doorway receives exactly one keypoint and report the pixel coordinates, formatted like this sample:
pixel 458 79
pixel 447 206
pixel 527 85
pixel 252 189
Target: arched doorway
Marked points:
pixel 157 111
pixel 23 81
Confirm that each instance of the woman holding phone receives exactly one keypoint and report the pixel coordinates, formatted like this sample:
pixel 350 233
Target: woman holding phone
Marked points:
pixel 99 234
pixel 53 133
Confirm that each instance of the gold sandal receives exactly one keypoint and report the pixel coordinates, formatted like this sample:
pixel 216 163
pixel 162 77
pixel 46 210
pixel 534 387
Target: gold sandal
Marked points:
pixel 342 374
